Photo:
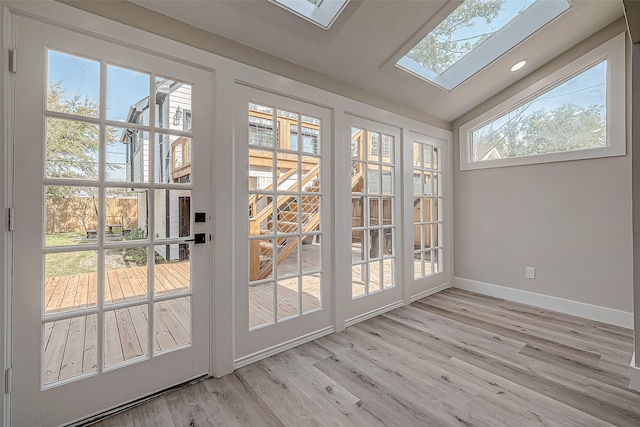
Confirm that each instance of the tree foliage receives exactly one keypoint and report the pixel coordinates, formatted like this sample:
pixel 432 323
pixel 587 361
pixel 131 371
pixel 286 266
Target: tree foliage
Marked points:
pixel 443 46
pixel 568 127
pixel 72 146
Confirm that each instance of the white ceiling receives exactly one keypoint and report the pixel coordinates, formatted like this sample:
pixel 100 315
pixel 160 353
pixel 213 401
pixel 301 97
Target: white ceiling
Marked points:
pixel 362 45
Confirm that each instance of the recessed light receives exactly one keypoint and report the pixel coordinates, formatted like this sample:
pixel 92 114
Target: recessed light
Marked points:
pixel 519 65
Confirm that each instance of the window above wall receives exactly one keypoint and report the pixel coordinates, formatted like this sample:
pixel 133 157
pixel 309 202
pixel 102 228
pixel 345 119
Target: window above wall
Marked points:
pixel 320 12
pixel 577 112
pixel 474 35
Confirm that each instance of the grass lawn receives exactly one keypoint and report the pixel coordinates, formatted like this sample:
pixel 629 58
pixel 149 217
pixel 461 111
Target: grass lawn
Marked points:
pixel 64 264
pixel 77 262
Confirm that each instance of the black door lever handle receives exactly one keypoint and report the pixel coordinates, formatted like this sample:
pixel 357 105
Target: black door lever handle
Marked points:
pixel 198 238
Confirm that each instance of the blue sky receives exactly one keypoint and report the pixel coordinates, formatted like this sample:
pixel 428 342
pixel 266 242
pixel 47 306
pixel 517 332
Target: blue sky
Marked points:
pixel 76 74
pixel 124 88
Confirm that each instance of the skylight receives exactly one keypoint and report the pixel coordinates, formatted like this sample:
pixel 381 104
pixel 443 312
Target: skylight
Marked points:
pixel 474 35
pixel 320 12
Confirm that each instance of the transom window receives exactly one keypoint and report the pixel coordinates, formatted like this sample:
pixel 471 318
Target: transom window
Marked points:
pixel 474 35
pixel 577 113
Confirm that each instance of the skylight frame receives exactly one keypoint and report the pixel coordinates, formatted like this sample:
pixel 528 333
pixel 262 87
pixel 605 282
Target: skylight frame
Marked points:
pixel 322 15
pixel 518 29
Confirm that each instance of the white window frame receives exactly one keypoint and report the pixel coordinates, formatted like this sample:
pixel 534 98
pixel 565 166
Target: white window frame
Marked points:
pixel 323 15
pixel 613 51
pixel 511 34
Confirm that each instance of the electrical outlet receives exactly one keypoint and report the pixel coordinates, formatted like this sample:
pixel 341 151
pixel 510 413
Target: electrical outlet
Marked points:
pixel 530 272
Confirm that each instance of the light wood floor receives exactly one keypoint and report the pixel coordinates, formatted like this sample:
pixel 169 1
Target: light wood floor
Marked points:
pixel 452 359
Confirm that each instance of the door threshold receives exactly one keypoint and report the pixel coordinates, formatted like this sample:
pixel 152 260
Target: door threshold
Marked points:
pixel 137 402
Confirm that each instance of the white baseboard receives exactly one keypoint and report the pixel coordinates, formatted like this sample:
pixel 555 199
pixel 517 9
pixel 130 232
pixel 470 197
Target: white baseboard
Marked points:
pixel 574 308
pixel 373 313
pixel 432 291
pixel 634 374
pixel 247 360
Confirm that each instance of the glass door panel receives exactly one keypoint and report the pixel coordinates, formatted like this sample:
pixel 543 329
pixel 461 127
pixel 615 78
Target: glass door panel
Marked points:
pixel 374 216
pixel 284 163
pixel 107 198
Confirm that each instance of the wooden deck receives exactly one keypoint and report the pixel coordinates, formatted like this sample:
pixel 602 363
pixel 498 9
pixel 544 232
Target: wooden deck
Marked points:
pixel 71 344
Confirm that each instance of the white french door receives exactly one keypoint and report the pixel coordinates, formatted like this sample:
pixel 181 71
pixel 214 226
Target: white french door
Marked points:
pixel 283 228
pixel 374 204
pixel 111 166
pixel 425 227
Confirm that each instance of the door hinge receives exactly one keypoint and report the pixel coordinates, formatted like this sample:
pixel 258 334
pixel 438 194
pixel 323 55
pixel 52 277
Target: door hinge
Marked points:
pixel 8 380
pixel 13 61
pixel 10 218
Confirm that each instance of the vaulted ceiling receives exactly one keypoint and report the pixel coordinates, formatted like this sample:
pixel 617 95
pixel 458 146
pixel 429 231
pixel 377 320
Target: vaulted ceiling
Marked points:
pixel 363 44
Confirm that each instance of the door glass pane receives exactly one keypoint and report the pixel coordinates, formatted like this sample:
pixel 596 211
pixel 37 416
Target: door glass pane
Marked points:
pixel 261 255
pixel 127 157
pixel 261 127
pixel 70 281
pixel 311 298
pixel 288 298
pixel 288 122
pixel 261 305
pixel 173 104
pixel 288 221
pixel 387 149
pixel 358 246
pixel 72 149
pixel 358 280
pixel 172 213
pixel 69 348
pixel 70 215
pixel 125 214
pixel 418 271
pixel 127 95
pixel 374 176
pixel 387 276
pixel 374 277
pixel 310 139
pixel 311 253
pixel 357 143
pixel 172 159
pixel 125 274
pixel 373 149
pixel 290 266
pixel 172 319
pixel 125 334
pixel 73 84
pixel 172 268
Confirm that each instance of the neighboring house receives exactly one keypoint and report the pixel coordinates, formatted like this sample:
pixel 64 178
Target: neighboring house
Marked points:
pixel 173 112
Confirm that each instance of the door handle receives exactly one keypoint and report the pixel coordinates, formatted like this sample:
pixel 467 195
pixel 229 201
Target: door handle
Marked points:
pixel 198 238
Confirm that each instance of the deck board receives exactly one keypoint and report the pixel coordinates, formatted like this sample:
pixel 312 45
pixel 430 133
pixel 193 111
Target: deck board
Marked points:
pixel 71 345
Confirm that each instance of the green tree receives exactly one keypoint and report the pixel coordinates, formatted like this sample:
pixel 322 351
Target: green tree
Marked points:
pixel 567 127
pixel 72 148
pixel 72 145
pixel 444 46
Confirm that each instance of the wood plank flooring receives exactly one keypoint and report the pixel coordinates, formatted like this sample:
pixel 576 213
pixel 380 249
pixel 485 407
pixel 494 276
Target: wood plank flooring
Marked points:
pixel 451 359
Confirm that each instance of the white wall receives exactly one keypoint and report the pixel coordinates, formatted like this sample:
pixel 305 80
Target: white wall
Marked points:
pixel 569 220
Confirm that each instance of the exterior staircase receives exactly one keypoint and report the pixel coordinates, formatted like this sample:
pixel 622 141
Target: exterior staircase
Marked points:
pixel 289 217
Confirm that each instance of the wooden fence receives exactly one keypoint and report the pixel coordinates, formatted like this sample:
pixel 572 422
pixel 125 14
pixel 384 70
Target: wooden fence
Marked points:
pixel 78 214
